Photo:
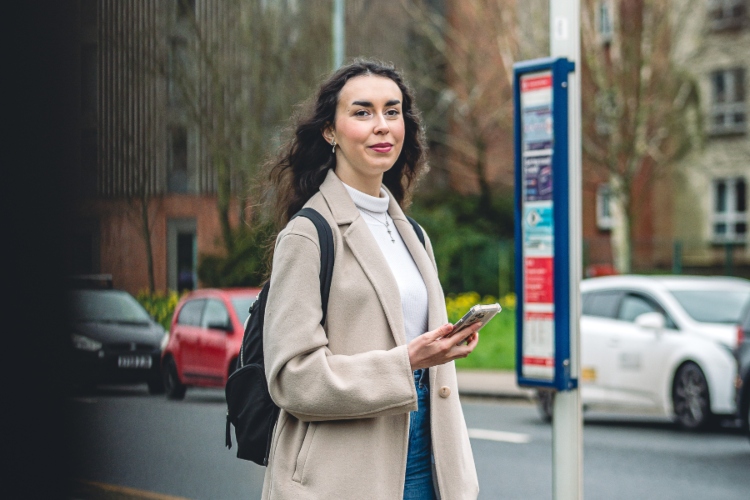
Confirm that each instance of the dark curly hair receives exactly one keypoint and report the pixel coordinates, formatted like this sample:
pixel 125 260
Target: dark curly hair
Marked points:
pixel 303 163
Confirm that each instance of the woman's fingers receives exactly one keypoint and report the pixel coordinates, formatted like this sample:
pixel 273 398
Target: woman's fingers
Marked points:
pixel 462 337
pixel 436 347
pixel 442 331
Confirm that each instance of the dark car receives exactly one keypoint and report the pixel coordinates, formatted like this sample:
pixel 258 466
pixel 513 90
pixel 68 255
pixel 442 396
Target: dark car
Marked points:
pixel 743 362
pixel 205 338
pixel 113 340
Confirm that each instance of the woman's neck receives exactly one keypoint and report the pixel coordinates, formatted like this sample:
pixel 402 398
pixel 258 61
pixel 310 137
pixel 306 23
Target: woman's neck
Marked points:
pixel 367 185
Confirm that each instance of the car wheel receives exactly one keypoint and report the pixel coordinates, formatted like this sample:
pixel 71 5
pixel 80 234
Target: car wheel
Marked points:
pixel 172 385
pixel 545 402
pixel 690 398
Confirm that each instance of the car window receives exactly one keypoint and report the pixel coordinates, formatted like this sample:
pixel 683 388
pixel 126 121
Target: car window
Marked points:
pixel 215 314
pixel 241 307
pixel 602 303
pixel 633 306
pixel 190 314
pixel 106 306
pixel 713 306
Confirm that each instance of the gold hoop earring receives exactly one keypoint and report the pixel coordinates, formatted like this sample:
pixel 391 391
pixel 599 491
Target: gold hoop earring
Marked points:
pixel 333 149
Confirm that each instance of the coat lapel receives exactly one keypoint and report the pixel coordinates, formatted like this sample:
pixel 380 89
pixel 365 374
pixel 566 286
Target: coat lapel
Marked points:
pixel 363 246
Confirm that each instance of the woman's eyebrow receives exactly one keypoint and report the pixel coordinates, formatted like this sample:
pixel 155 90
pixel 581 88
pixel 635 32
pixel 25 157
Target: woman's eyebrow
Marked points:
pixel 368 104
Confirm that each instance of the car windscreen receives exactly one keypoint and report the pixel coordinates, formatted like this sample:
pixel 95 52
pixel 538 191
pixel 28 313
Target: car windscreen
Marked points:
pixel 103 306
pixel 241 307
pixel 713 306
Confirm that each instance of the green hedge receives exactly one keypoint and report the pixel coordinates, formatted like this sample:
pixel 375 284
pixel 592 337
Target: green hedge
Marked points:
pixel 160 305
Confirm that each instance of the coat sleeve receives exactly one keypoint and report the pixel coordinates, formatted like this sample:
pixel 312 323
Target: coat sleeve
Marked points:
pixel 304 377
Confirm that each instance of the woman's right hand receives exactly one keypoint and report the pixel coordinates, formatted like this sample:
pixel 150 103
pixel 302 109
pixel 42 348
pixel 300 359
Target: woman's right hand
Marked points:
pixel 435 348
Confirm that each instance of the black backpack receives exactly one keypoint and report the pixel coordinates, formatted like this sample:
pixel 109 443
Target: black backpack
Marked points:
pixel 249 405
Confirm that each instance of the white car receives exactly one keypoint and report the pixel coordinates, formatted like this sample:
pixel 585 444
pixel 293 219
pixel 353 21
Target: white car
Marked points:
pixel 659 345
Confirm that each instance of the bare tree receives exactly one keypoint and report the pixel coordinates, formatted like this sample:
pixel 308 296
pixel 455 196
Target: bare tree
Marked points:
pixel 643 113
pixel 475 43
pixel 245 65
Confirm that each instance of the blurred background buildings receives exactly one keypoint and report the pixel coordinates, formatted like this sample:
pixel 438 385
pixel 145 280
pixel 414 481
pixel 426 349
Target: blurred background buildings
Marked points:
pixel 180 102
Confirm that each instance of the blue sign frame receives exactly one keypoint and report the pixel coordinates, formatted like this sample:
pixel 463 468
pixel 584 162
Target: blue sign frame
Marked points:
pixel 559 68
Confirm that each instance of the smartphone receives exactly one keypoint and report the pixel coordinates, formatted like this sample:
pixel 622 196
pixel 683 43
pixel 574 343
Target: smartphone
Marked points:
pixel 478 313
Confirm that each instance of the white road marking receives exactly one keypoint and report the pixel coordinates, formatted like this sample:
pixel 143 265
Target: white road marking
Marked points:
pixel 505 437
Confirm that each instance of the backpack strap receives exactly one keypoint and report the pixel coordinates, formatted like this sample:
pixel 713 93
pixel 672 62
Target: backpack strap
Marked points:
pixel 325 238
pixel 417 229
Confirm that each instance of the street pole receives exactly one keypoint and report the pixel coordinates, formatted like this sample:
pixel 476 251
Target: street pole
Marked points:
pixel 338 38
pixel 567 428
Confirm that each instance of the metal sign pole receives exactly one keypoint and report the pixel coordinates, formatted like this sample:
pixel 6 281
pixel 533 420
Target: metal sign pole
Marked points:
pixel 339 33
pixel 567 429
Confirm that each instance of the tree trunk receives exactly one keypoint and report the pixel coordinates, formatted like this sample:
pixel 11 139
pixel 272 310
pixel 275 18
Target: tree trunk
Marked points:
pixel 621 238
pixel 146 228
pixel 223 201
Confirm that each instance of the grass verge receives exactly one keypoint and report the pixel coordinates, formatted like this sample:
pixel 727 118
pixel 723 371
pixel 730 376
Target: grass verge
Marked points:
pixel 497 345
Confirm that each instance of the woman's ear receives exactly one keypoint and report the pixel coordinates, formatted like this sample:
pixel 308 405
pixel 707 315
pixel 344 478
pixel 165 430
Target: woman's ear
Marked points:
pixel 328 134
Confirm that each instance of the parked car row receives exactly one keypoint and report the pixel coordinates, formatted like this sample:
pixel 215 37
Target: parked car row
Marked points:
pixel 114 340
pixel 670 345
pixel 661 345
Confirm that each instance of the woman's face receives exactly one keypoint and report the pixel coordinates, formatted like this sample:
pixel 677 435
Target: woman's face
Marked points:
pixel 369 131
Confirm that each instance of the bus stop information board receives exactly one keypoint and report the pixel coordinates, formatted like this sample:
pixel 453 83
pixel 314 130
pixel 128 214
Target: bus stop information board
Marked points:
pixel 541 223
pixel 538 355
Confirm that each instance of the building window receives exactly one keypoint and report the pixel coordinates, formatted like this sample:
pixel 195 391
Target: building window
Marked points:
pixel 604 218
pixel 727 14
pixel 730 210
pixel 185 8
pixel 727 112
pixel 89 73
pixel 178 160
pixel 604 21
pixel 176 74
pixel 606 112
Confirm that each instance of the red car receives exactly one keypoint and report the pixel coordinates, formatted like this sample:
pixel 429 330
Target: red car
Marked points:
pixel 205 338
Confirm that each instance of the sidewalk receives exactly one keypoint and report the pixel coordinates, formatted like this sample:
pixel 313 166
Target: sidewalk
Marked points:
pixel 491 383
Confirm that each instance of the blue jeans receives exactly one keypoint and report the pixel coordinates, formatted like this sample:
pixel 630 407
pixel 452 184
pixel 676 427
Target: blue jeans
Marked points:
pixel 418 485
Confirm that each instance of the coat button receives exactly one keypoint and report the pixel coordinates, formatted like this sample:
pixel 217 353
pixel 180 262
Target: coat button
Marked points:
pixel 445 391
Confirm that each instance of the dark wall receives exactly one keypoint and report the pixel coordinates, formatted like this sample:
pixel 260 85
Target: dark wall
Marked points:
pixel 37 150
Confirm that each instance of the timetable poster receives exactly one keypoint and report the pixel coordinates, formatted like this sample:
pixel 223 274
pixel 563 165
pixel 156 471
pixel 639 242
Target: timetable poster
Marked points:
pixel 538 355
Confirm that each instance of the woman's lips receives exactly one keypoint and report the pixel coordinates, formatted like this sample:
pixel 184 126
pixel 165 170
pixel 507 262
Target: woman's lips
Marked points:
pixel 383 147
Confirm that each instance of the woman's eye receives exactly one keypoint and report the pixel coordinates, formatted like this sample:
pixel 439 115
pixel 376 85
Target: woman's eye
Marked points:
pixel 361 112
pixel 392 112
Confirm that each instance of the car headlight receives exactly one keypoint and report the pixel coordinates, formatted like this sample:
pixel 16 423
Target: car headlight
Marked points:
pixel 164 341
pixel 85 343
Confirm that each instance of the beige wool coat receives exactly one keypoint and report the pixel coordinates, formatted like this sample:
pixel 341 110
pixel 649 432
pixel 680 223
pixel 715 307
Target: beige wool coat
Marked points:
pixel 346 391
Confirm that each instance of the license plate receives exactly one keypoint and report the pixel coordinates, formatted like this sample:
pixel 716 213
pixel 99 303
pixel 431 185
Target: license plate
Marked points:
pixel 134 362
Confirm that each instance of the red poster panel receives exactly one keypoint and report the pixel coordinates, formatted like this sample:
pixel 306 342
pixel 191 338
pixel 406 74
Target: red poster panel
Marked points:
pixel 538 285
pixel 528 84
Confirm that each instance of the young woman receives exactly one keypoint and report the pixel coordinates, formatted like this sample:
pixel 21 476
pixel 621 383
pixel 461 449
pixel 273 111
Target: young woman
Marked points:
pixel 369 403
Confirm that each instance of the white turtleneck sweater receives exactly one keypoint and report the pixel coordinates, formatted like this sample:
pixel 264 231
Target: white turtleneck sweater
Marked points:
pixel 410 283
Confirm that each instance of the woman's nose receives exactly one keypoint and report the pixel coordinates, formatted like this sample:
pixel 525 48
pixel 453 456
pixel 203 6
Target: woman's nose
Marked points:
pixel 381 126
